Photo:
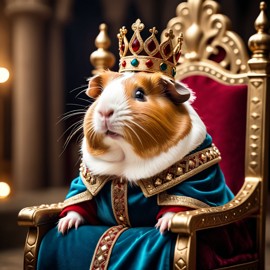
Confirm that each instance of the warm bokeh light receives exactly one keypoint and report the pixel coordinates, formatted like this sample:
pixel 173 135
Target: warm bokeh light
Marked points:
pixel 4 75
pixel 4 190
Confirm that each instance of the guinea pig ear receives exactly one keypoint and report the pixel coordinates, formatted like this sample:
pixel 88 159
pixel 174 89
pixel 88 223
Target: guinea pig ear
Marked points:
pixel 94 87
pixel 177 91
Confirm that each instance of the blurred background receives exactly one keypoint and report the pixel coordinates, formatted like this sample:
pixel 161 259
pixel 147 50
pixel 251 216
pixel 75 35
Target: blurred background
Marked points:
pixel 44 63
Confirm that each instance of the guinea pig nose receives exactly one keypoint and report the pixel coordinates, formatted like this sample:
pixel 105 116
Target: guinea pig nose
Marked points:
pixel 106 113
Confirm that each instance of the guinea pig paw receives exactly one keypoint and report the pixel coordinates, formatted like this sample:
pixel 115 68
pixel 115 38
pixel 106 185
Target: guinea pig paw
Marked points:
pixel 62 225
pixel 164 222
pixel 72 219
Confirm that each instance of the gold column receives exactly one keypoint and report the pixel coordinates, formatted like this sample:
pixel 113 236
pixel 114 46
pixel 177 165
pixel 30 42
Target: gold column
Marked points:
pixel 55 92
pixel 28 34
pixel 257 144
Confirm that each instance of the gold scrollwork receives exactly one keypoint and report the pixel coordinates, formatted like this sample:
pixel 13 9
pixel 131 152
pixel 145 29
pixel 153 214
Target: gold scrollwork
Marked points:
pixel 206 35
pixel 213 70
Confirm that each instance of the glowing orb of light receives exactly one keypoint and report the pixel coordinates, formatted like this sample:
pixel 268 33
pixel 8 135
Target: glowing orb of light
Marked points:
pixel 4 190
pixel 4 75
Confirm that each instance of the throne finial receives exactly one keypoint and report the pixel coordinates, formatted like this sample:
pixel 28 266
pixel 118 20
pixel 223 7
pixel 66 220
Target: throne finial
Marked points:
pixel 259 43
pixel 102 58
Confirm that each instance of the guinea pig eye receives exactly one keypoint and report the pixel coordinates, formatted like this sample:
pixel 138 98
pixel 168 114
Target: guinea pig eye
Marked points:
pixel 139 94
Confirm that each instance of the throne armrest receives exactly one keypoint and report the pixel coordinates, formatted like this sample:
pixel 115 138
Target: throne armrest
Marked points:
pixel 38 219
pixel 39 215
pixel 244 204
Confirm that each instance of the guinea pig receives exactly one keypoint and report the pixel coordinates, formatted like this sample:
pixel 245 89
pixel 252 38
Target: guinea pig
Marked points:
pixel 139 125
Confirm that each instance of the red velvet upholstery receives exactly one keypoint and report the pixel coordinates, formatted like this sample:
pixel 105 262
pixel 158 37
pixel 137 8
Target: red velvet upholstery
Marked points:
pixel 226 246
pixel 223 110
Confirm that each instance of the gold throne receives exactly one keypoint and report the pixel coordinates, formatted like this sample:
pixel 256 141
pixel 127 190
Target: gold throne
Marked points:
pixel 211 52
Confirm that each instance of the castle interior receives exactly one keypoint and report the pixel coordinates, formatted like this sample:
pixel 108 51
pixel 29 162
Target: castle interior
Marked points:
pixel 45 49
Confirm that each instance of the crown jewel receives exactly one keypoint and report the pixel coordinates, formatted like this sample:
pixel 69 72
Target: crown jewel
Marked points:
pixel 148 55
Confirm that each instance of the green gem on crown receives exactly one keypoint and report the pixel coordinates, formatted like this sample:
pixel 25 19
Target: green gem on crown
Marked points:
pixel 134 62
pixel 163 67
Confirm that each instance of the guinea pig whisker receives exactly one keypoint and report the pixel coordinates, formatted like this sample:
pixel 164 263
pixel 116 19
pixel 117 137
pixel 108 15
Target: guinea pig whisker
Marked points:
pixel 78 105
pixel 122 117
pixel 123 106
pixel 71 114
pixel 71 127
pixel 89 101
pixel 128 126
pixel 76 110
pixel 92 132
pixel 142 128
pixel 78 88
pixel 83 91
pixel 79 138
pixel 76 128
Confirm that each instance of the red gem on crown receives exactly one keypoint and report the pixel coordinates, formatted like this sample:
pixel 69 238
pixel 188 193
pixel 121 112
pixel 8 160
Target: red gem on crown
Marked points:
pixel 149 63
pixel 136 45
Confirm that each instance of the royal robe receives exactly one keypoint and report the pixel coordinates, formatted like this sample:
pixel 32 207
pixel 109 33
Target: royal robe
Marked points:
pixel 122 233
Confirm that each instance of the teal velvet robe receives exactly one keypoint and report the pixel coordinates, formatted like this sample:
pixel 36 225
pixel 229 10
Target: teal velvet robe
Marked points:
pixel 139 247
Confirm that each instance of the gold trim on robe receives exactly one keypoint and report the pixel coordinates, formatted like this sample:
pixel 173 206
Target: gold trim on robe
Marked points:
pixel 92 182
pixel 120 201
pixel 180 171
pixel 174 175
pixel 81 197
pixel 103 250
pixel 165 199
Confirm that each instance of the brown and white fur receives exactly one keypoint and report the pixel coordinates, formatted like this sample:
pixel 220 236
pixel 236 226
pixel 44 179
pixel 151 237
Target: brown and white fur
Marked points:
pixel 139 125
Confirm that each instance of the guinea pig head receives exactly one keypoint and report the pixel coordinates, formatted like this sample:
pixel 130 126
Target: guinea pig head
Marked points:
pixel 139 112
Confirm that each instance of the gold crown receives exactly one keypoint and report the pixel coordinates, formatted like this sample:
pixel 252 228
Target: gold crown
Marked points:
pixel 148 55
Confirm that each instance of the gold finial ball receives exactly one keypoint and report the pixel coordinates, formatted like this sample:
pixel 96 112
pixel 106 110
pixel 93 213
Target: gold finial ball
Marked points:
pixel 262 23
pixel 103 40
pixel 102 58
pixel 262 6
pixel 260 42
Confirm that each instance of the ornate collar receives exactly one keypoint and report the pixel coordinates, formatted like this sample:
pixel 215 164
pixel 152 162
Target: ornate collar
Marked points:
pixel 177 173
